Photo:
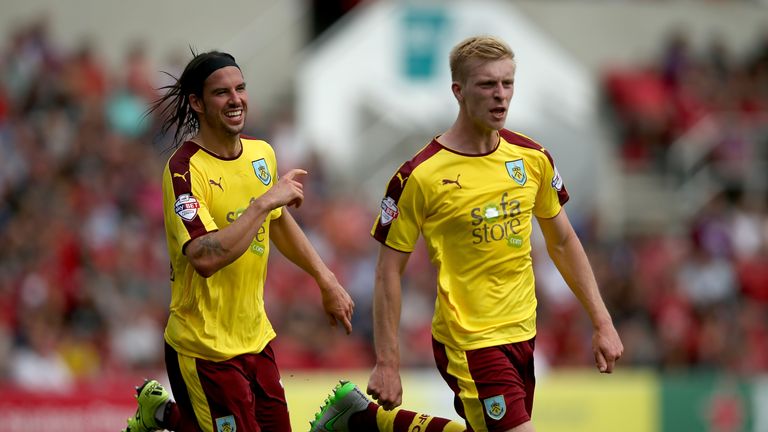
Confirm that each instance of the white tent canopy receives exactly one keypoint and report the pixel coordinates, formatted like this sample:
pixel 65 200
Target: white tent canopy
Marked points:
pixel 364 113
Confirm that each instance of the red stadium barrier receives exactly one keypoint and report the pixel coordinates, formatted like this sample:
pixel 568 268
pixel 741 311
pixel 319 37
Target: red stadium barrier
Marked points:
pixel 99 406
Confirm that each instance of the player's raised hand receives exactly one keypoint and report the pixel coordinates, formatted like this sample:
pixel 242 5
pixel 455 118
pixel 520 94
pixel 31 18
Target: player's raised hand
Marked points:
pixel 288 190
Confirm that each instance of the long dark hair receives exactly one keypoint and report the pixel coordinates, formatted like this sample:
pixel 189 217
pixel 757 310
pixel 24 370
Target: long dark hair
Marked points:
pixel 173 107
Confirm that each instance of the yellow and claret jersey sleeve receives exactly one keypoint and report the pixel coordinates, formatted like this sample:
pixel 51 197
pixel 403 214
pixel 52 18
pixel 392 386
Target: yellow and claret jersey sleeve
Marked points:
pixel 405 196
pixel 475 213
pixel 185 199
pixel 222 316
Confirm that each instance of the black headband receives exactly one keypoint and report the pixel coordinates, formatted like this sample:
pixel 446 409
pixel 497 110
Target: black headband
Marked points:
pixel 207 67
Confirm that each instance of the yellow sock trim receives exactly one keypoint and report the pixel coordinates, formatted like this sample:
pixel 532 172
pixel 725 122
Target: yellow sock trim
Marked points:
pixel 385 420
pixel 453 426
pixel 419 423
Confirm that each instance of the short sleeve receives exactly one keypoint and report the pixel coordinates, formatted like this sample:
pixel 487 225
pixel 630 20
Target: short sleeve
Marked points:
pixel 401 213
pixel 185 205
pixel 552 193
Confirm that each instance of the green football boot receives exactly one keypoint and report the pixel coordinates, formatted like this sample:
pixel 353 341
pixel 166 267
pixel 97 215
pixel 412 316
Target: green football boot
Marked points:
pixel 345 400
pixel 150 396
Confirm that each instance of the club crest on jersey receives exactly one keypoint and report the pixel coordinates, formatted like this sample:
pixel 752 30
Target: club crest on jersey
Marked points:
pixel 557 181
pixel 262 171
pixel 186 206
pixel 389 211
pixel 495 407
pixel 516 170
pixel 226 424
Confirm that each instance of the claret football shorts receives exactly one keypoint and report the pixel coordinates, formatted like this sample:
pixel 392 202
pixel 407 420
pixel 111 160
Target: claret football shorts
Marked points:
pixel 493 386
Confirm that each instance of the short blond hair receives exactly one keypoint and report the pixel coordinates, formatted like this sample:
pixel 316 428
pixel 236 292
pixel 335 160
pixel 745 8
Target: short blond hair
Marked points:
pixel 481 47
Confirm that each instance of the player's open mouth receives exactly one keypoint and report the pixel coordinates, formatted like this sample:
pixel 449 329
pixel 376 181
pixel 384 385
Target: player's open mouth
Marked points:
pixel 499 112
pixel 234 114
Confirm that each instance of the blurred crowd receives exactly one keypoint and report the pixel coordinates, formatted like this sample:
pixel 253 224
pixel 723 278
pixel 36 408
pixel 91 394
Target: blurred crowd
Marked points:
pixel 654 103
pixel 84 271
pixel 696 115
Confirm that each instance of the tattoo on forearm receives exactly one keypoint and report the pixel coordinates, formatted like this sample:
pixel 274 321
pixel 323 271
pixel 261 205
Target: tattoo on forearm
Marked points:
pixel 209 246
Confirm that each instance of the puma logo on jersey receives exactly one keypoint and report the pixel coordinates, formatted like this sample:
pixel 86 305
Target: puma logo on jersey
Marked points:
pixel 456 182
pixel 215 183
pixel 182 176
pixel 401 178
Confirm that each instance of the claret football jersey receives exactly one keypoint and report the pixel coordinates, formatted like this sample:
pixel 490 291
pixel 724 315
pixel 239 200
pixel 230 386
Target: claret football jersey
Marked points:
pixel 475 213
pixel 222 316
